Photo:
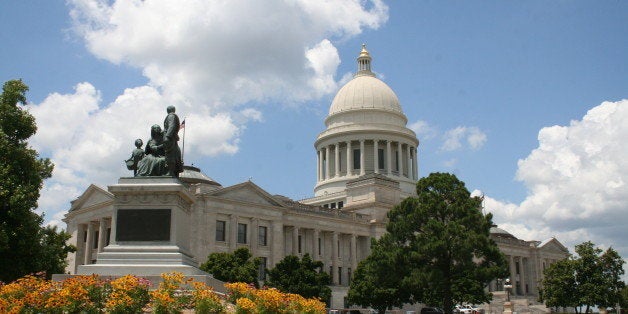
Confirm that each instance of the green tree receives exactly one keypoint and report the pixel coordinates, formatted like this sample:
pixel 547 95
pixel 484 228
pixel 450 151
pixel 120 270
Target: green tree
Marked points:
pixel 25 246
pixel 239 266
pixel 305 277
pixel 376 281
pixel 443 238
pixel 590 279
pixel 623 302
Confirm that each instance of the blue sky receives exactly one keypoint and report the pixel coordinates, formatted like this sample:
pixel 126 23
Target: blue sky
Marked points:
pixel 542 83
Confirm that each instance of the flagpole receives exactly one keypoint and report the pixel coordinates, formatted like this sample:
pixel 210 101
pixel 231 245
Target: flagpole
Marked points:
pixel 183 150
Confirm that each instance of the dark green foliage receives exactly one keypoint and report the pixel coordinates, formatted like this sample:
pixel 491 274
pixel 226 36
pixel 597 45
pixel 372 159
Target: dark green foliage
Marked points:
pixel 624 297
pixel 445 255
pixel 239 266
pixel 25 246
pixel 376 282
pixel 591 279
pixel 305 277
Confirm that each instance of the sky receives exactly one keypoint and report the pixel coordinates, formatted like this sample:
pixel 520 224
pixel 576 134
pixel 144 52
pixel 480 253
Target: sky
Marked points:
pixel 525 101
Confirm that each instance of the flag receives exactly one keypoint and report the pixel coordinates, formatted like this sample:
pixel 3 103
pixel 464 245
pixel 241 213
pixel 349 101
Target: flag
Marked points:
pixel 182 125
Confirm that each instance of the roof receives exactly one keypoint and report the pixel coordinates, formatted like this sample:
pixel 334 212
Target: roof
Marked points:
pixel 192 175
pixel 365 93
pixel 501 233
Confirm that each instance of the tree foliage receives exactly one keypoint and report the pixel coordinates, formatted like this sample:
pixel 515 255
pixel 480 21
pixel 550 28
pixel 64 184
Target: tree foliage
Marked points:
pixel 25 246
pixel 376 281
pixel 590 279
pixel 440 242
pixel 305 277
pixel 239 266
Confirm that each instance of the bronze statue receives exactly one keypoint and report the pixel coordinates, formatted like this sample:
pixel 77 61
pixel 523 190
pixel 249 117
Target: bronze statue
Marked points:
pixel 162 155
pixel 171 143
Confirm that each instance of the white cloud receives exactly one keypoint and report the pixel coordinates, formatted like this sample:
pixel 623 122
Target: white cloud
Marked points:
pixel 576 181
pixel 423 129
pixel 472 135
pixel 227 52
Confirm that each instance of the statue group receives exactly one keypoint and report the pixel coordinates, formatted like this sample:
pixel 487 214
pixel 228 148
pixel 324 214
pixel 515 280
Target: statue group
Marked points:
pixel 162 155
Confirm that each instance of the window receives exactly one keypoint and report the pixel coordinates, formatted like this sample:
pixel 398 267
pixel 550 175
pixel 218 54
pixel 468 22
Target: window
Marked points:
pixel 356 159
pixel 242 233
pixel 333 205
pixel 517 267
pixel 349 275
pixel 262 238
pixel 338 246
pixel 380 158
pixel 261 274
pixel 220 230
pixel 340 204
pixel 85 236
pixel 397 159
pixel 108 235
pixel 95 239
pixel 299 239
pixel 326 206
pixel 319 246
pixel 340 275
pixel 331 271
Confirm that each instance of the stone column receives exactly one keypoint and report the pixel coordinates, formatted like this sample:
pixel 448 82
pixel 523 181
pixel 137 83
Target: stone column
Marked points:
pixel 233 232
pixel 388 159
pixel 337 159
pixel 408 161
pixel 276 243
pixel 522 276
pixel 334 258
pixel 400 158
pixel 102 234
pixel 319 166
pixel 415 164
pixel 513 274
pixel 254 236
pixel 315 253
pixel 362 170
pixel 376 157
pixel 349 158
pixel 89 244
pixel 327 176
pixel 295 240
pixel 354 252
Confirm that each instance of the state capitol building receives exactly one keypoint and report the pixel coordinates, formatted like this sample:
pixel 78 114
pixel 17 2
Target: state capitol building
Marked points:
pixel 366 164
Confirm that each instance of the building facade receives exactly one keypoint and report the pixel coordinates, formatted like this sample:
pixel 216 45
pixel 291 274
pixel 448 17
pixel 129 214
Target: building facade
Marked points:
pixel 366 164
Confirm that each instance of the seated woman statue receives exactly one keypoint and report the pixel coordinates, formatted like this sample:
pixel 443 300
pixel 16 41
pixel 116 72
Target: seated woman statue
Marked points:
pixel 154 162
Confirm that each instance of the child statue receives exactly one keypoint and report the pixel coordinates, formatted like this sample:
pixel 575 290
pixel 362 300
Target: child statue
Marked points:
pixel 136 156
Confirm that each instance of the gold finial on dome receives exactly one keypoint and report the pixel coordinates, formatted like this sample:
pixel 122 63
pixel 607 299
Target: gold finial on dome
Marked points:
pixel 364 63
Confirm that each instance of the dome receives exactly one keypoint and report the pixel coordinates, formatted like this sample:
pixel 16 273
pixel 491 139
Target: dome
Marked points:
pixel 365 92
pixel 192 175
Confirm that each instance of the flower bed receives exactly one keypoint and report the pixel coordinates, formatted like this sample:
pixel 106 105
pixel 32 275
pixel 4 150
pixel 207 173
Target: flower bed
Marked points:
pixel 130 294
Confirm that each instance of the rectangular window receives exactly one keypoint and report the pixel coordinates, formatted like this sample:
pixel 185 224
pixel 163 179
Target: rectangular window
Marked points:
pixel 319 246
pixel 108 235
pixel 331 270
pixel 95 239
pixel 349 275
pixel 242 233
pixel 299 239
pixel 220 230
pixel 356 159
pixel 263 236
pixel 340 204
pixel 338 246
pixel 262 268
pixel 397 159
pixel 340 275
pixel 326 206
pixel 85 236
pixel 380 158
pixel 517 268
pixel 333 205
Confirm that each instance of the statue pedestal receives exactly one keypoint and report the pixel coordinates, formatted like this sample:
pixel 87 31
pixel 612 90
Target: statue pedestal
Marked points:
pixel 508 307
pixel 150 232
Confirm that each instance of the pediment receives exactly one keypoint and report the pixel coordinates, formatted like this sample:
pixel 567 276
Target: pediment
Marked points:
pixel 552 245
pixel 93 196
pixel 247 192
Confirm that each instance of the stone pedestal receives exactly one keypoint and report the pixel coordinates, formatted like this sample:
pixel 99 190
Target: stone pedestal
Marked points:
pixel 150 232
pixel 508 308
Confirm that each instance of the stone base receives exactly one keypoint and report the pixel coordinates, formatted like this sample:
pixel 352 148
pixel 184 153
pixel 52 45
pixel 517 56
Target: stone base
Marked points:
pixel 507 307
pixel 142 260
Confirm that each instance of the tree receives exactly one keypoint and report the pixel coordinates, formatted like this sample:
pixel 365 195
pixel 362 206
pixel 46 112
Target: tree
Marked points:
pixel 442 237
pixel 25 246
pixel 590 279
pixel 376 280
pixel 305 277
pixel 239 266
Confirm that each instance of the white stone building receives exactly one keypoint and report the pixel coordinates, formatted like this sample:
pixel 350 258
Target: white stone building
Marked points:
pixel 367 163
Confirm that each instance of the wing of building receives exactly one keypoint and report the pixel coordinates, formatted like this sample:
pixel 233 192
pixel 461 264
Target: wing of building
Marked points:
pixel 366 162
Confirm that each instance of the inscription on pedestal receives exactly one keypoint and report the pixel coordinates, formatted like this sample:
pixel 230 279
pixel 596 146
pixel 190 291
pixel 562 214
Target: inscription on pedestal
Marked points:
pixel 143 225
